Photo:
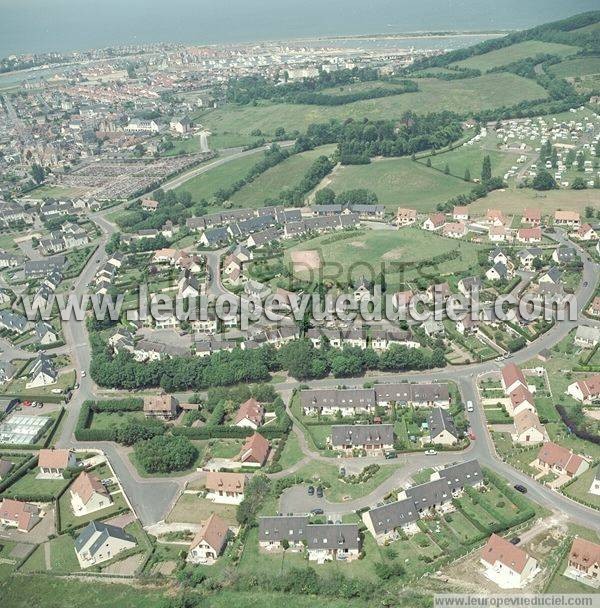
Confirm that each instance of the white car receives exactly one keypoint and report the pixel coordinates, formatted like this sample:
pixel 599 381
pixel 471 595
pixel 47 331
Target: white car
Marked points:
pixel 430 452
pixel 470 407
pixel 83 374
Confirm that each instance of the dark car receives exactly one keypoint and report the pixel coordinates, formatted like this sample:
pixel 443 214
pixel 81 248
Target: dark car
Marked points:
pixel 520 488
pixel 515 540
pixel 320 491
pixel 390 455
pixel 317 511
pixel 311 490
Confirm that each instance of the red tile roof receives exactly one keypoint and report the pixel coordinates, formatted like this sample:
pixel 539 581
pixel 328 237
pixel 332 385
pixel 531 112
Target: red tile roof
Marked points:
pixel 255 449
pixel 214 532
pixel 225 482
pixel 498 549
pixel 584 553
pixel 54 459
pixel 555 455
pixel 252 410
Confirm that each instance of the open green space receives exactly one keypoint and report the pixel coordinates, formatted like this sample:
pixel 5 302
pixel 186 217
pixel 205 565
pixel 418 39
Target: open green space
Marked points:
pixel 69 520
pixel 222 176
pixel 192 509
pixel 400 182
pixel 580 489
pixel 572 68
pixel 467 95
pixel 353 257
pixel 516 52
pixel 286 174
pixel 291 452
pixel 29 487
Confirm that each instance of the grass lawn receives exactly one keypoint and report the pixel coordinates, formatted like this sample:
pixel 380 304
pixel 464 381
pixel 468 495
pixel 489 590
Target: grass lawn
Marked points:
pixel 56 192
pixel 287 174
pixel 30 487
pixel 36 561
pixel 356 255
pixel 318 472
pixel 222 176
pixel 111 420
pixel 220 141
pixel 576 67
pixel 191 509
pixel 422 476
pixel 65 381
pixel 69 520
pixel 291 452
pixel 319 433
pixel 470 94
pixel 516 52
pixel 579 489
pixel 62 554
pixel 400 182
pixel 225 448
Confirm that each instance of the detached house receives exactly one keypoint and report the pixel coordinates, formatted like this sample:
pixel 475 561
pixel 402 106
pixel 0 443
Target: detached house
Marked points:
pixel 52 463
pixel 586 391
pixel 560 460
pixel 507 565
pixel 255 451
pixel 434 222
pixel 442 429
pixel 567 218
pixel 210 541
pixel 164 407
pixel 512 377
pixel 532 216
pixel 405 217
pixel 225 488
pixel 88 494
pixel 42 372
pixel 528 428
pixel 250 414
pixel 529 235
pixel 585 233
pixel 520 400
pixel 98 542
pixel 374 439
pixel 20 515
pixel 584 562
pixel 455 230
pixel 495 217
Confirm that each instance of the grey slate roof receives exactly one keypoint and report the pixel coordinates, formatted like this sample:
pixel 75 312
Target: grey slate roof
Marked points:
pixel 393 515
pixel 333 536
pixel 106 531
pixel 276 529
pixel 440 420
pixel 362 434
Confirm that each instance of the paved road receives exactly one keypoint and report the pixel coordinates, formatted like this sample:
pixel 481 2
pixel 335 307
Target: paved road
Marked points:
pixel 153 497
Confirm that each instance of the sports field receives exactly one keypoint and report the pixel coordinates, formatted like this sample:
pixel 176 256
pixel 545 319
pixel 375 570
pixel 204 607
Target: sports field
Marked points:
pixel 577 67
pixel 206 184
pixel 516 52
pixel 366 253
pixel 286 174
pixel 400 182
pixel 470 94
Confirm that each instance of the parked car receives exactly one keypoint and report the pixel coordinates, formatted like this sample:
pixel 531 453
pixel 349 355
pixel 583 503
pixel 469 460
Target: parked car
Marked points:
pixel 342 471
pixel 311 490
pixel 317 511
pixel 470 407
pixel 521 488
pixel 320 491
pixel 83 373
pixel 430 452
pixel 515 540
pixel 390 455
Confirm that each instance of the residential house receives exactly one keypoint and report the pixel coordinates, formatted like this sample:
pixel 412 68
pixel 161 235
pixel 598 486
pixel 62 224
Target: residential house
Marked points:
pixel 587 336
pixel 497 256
pixel 209 542
pixel 98 542
pixel 42 372
pixel 583 564
pixel 455 230
pixel 585 232
pixel 567 218
pixel 54 462
pixel 20 515
pixel 498 234
pixel 506 564
pixel 328 542
pixel 45 334
pixel 498 272
pixel 595 487
pixel 560 460
pixel 495 217
pixel 552 276
pixel 595 307
pixel 520 399
pixel 164 407
pixel 434 222
pixel 374 439
pixel 586 391
pixel 255 451
pixel 348 402
pixel 250 414
pixel 13 322
pixel 225 488
pixel 405 217
pixel 460 213
pixel 528 428
pixel 272 531
pixel 426 394
pixel 385 522
pixel 565 255
pixel 433 328
pixel 468 285
pixel 512 377
pixel 529 235
pixel 88 495
pixel 532 216
pixel 442 429
pixel 215 237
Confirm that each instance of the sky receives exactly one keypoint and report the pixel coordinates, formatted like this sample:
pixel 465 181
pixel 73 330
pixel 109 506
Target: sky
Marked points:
pixel 63 25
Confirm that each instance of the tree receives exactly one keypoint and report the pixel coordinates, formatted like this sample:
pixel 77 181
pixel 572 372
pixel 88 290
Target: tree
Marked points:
pixel 543 181
pixel 428 163
pixel 580 161
pixel 165 453
pixel 447 169
pixel 486 169
pixel 578 183
pixel 467 175
pixel 325 196
pixel 38 173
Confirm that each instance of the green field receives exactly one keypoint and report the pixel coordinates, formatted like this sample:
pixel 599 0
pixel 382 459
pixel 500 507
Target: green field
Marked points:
pixel 400 182
pixel 356 255
pixel 206 184
pixel 577 67
pixel 579 490
pixel 516 52
pixel 471 94
pixel 221 141
pixel 471 158
pixel 286 174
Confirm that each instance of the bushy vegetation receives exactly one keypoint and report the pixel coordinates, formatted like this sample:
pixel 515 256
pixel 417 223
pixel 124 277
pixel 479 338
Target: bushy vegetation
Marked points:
pixel 166 453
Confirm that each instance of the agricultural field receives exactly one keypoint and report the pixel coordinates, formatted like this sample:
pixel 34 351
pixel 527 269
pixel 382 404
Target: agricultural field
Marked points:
pixel 206 184
pixel 516 52
pixel 471 94
pixel 572 68
pixel 286 174
pixel 400 182
pixel 358 253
